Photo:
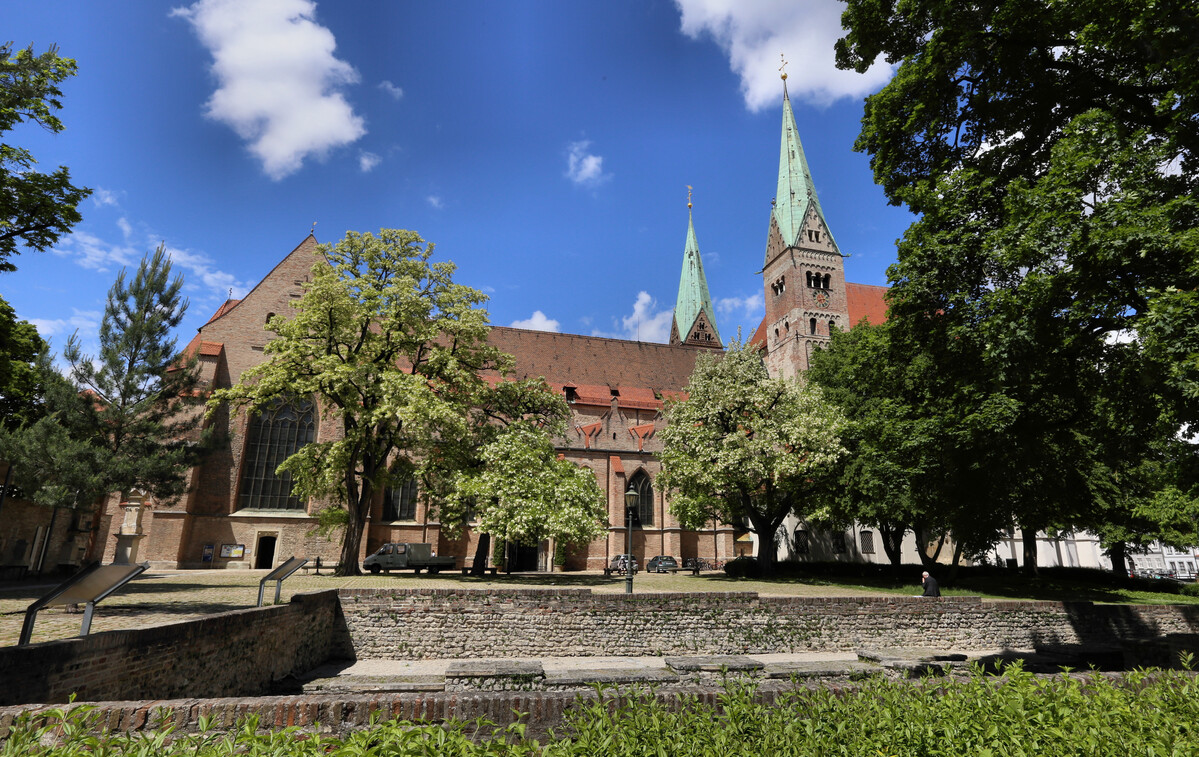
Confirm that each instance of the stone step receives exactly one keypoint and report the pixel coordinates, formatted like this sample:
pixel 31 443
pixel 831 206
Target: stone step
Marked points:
pixel 834 669
pixel 585 677
pixel 375 684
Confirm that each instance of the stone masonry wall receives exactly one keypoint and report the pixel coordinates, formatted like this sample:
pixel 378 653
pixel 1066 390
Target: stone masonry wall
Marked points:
pixel 451 623
pixel 230 654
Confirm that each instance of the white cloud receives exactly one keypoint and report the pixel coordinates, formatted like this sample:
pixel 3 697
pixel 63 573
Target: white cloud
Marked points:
pixel 279 82
pixel 584 168
pixel 753 34
pixel 646 324
pixel 391 89
pixel 368 160
pixel 538 322
pixel 96 254
pixel 83 320
pixel 102 197
pixel 755 304
pixel 199 271
pixel 435 202
pixel 125 227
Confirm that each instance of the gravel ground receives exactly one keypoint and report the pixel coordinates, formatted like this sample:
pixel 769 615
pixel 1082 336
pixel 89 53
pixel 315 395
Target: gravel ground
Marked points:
pixel 161 597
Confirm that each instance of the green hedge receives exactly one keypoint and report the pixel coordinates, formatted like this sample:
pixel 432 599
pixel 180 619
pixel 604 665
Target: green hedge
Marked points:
pixel 1144 713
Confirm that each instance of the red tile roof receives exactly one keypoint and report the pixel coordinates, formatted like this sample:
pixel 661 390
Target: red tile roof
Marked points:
pixel 866 301
pixel 575 360
pixel 593 394
pixel 638 398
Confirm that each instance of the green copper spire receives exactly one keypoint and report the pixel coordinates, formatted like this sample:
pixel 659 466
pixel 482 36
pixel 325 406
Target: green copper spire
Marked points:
pixel 694 300
pixel 796 193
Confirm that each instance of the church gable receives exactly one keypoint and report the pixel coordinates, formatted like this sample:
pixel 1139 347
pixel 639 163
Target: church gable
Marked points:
pixel 242 327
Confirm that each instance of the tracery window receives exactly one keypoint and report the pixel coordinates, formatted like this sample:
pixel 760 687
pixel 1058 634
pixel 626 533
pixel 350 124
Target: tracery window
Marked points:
pixel 399 503
pixel 645 498
pixel 274 435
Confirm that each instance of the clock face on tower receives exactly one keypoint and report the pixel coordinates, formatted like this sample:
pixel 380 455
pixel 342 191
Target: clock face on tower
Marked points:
pixel 821 299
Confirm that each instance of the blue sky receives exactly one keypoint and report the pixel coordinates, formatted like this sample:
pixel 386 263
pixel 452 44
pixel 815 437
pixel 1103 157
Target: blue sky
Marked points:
pixel 545 147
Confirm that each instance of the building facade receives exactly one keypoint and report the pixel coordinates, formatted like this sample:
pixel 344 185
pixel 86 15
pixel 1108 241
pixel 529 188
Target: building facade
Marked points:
pixel 239 514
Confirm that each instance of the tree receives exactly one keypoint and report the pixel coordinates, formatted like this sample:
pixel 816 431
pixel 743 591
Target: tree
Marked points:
pixel 20 380
pixel 1050 150
pixel 523 493
pixel 391 350
pixel 744 445
pixel 993 86
pixel 35 208
pixel 136 401
pixel 462 485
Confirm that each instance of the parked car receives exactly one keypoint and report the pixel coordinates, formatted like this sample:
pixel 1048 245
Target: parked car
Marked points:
pixel 661 564
pixel 620 563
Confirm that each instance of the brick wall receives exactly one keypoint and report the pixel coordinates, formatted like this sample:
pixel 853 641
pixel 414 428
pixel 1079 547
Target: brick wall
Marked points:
pixel 448 623
pixel 235 653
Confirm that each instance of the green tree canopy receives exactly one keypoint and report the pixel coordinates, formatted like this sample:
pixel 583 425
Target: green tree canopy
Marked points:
pixel 35 207
pixel 1050 150
pixel 20 380
pixel 136 399
pixel 746 446
pixel 391 349
pixel 462 484
pixel 994 85
pixel 126 418
pixel 523 493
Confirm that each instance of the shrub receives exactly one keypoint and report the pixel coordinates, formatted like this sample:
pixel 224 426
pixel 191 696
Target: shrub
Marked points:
pixel 743 567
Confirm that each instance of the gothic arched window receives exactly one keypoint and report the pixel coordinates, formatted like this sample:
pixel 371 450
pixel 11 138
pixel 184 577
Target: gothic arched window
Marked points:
pixel 274 435
pixel 645 498
pixel 399 503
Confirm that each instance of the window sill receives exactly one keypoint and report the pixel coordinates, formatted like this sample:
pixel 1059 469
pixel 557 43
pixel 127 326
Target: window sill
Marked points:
pixel 266 513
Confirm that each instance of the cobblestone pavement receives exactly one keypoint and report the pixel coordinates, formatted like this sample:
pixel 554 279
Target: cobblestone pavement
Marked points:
pixel 161 597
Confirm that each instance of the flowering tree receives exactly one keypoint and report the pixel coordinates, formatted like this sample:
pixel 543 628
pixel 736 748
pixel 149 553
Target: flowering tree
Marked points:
pixel 392 349
pixel 745 445
pixel 523 493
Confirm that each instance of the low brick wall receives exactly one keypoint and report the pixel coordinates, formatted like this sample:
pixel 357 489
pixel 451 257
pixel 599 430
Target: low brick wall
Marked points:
pixel 449 623
pixel 237 653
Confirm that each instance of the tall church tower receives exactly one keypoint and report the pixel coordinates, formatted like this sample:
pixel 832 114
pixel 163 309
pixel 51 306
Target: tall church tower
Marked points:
pixel 694 319
pixel 804 275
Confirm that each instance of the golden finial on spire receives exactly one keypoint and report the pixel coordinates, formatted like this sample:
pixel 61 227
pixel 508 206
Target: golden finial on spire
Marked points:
pixel 312 231
pixel 688 197
pixel 783 68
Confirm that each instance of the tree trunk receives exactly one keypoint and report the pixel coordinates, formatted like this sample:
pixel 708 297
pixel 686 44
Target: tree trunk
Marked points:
pixel 922 540
pixel 1028 535
pixel 351 544
pixel 1119 553
pixel 892 537
pixel 953 566
pixel 767 550
pixel 482 552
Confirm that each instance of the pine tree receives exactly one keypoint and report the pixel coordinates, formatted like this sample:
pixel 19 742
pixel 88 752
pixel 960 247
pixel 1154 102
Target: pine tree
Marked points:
pixel 136 402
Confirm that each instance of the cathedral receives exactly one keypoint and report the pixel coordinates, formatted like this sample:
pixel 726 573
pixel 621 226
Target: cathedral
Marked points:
pixel 238 513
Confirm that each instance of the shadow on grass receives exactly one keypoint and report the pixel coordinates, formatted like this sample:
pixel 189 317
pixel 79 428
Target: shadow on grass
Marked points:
pixel 1054 584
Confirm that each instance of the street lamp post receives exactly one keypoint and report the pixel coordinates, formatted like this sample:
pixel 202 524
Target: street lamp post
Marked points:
pixel 630 503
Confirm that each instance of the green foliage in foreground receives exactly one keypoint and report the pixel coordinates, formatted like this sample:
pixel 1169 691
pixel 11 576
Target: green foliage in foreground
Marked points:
pixel 1147 713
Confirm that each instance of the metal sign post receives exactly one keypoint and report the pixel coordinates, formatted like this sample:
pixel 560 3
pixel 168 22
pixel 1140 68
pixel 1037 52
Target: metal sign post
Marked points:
pixel 87 587
pixel 278 574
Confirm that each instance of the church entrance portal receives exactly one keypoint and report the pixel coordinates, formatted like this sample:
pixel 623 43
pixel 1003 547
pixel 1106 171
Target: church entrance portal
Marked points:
pixel 523 558
pixel 264 553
